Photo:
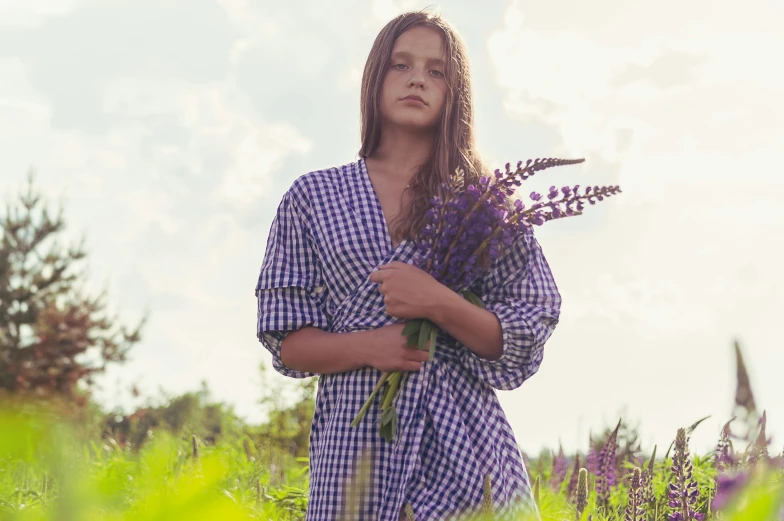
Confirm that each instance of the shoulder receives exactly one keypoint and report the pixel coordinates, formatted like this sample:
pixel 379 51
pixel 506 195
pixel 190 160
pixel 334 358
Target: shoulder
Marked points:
pixel 313 186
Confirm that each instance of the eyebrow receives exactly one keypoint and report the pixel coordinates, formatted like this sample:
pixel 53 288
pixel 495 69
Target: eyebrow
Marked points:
pixel 405 54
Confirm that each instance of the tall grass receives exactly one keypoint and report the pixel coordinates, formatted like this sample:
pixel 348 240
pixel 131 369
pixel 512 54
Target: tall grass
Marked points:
pixel 50 469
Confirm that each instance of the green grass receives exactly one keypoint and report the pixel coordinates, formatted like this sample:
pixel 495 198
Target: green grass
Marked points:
pixel 48 471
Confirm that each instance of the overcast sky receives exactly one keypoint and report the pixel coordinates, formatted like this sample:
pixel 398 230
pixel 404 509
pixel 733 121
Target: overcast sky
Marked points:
pixel 170 130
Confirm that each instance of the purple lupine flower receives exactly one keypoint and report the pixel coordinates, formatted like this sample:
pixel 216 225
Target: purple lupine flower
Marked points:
pixel 758 450
pixel 649 495
pixel 560 467
pixel 723 457
pixel 727 487
pixel 592 459
pixel 634 509
pixel 481 219
pixel 605 478
pixel 572 487
pixel 683 492
pixel 745 407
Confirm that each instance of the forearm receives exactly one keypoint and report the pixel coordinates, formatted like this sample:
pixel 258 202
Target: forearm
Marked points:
pixel 314 350
pixel 476 328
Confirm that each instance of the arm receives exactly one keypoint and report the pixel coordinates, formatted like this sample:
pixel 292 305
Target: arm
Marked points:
pixel 476 328
pixel 521 294
pixel 312 350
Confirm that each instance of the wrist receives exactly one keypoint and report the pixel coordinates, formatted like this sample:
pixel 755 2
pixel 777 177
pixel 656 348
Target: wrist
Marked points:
pixel 360 346
pixel 442 305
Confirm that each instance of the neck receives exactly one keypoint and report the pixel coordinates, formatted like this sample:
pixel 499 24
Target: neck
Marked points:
pixel 402 153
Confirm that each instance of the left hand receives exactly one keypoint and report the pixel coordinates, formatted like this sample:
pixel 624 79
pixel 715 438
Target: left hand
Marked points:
pixel 409 292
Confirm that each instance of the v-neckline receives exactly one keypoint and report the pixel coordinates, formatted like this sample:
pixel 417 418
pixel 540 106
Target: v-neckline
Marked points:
pixel 379 210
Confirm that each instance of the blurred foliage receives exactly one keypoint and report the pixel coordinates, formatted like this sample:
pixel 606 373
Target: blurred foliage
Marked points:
pixel 197 460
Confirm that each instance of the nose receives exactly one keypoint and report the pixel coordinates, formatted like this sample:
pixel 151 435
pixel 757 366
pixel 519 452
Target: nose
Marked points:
pixel 417 79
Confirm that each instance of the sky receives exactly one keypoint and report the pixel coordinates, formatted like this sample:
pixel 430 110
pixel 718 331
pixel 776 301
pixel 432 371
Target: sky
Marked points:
pixel 169 131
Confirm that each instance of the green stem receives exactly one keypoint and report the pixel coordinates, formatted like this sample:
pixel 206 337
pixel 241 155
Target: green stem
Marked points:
pixel 389 394
pixel 369 401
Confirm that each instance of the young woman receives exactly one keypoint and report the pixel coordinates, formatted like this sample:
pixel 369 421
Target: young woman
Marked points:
pixel 337 284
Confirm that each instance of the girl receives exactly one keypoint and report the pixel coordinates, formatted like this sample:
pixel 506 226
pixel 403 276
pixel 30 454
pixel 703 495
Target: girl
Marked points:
pixel 337 284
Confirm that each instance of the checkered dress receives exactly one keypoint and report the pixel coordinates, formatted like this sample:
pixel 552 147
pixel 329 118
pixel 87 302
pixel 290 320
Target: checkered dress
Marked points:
pixel 329 234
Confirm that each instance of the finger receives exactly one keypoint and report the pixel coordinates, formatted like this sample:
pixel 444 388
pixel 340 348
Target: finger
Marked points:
pixel 394 265
pixel 417 355
pixel 413 366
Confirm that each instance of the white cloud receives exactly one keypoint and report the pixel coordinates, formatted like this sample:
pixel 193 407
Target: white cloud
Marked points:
pixel 258 156
pixel 31 14
pixel 729 97
pixel 148 208
pixel 213 121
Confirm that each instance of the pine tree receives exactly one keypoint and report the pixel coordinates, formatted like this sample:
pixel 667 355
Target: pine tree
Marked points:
pixel 53 337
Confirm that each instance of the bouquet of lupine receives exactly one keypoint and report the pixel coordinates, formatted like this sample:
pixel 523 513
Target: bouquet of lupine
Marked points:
pixel 465 225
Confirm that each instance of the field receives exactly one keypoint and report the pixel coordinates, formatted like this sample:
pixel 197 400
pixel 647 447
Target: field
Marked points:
pixel 51 469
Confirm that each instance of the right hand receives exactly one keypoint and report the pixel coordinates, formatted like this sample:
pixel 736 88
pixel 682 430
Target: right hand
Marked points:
pixel 388 351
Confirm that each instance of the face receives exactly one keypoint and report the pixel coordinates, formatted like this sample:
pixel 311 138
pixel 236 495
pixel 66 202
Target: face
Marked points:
pixel 415 68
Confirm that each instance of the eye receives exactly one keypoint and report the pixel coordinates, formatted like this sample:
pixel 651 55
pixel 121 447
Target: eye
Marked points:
pixel 398 66
pixel 437 73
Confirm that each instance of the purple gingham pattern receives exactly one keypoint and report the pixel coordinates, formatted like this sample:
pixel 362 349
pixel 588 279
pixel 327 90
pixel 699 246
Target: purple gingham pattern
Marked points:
pixel 328 235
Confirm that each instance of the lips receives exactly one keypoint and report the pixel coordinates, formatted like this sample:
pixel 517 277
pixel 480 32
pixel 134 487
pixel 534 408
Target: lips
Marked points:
pixel 413 97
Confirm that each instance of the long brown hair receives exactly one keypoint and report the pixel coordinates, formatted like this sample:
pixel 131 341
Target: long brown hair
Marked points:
pixel 454 144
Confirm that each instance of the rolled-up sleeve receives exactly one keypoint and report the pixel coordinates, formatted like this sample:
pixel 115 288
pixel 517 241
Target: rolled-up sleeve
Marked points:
pixel 521 292
pixel 291 292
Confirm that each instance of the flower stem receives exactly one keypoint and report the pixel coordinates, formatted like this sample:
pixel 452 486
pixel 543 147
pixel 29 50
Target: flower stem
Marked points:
pixel 389 394
pixel 369 401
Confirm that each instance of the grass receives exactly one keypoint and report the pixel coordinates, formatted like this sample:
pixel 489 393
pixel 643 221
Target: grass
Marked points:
pixel 57 470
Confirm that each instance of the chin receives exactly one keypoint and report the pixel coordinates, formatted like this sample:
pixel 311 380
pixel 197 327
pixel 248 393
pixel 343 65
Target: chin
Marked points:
pixel 417 125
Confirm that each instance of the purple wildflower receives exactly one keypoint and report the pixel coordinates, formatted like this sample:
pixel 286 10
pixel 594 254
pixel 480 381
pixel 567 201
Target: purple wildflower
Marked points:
pixel 758 450
pixel 723 457
pixel 683 492
pixel 649 496
pixel 560 467
pixel 592 460
pixel 605 478
pixel 727 487
pixel 572 487
pixel 481 219
pixel 745 408
pixel 634 509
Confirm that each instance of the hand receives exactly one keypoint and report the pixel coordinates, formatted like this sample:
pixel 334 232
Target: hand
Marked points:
pixel 409 292
pixel 387 350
